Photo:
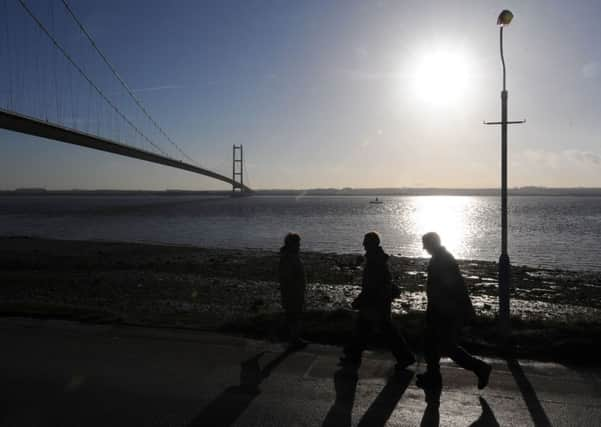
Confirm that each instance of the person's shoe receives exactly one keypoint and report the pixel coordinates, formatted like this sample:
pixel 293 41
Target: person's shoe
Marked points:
pixel 404 363
pixel 296 345
pixel 483 375
pixel 349 361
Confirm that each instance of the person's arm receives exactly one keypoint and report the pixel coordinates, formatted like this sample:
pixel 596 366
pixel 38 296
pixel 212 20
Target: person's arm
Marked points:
pixel 360 299
pixel 437 287
pixel 436 297
pixel 464 301
pixel 301 272
pixel 284 273
pixel 387 286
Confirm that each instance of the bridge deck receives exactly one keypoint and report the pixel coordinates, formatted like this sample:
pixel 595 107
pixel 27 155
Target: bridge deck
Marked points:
pixel 31 126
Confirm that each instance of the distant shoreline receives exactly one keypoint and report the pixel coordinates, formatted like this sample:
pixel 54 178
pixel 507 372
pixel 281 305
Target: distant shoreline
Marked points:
pixel 519 191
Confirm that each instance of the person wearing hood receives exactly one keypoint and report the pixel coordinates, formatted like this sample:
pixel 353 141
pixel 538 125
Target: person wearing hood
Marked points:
pixel 449 310
pixel 292 286
pixel 374 304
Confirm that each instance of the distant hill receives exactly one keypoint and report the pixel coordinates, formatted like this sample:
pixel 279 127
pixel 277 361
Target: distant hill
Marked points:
pixel 520 191
pixel 30 190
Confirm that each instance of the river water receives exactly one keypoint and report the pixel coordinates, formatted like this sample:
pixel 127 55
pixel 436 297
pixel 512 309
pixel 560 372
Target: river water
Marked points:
pixel 545 231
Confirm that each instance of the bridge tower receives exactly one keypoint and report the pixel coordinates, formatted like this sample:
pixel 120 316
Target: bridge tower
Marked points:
pixel 238 169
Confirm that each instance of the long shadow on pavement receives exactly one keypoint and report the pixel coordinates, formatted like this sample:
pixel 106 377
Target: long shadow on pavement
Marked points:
pixel 431 417
pixel 534 406
pixel 229 405
pixel 345 384
pixel 378 413
pixel 487 418
pixel 382 407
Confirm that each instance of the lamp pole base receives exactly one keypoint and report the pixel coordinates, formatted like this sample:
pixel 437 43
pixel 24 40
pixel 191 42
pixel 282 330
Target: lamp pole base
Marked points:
pixel 504 312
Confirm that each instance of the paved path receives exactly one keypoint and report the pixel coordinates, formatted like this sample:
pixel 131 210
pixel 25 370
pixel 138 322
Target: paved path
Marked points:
pixel 57 373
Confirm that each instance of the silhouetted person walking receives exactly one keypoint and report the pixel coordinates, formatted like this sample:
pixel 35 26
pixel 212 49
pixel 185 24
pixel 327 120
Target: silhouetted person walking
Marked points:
pixel 374 305
pixel 449 310
pixel 292 286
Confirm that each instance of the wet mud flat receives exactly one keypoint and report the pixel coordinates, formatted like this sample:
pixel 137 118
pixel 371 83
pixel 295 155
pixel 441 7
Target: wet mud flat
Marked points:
pixel 555 314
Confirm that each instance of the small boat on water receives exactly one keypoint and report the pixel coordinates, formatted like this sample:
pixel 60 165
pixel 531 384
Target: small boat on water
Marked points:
pixel 376 202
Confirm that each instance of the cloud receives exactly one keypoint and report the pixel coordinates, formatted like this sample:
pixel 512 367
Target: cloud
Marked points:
pixel 584 157
pixel 559 159
pixel 556 168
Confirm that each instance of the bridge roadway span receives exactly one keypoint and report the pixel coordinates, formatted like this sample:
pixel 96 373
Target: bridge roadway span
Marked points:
pixel 31 126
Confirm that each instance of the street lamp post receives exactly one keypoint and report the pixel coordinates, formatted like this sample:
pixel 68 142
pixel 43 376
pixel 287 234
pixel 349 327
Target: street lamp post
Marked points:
pixel 504 264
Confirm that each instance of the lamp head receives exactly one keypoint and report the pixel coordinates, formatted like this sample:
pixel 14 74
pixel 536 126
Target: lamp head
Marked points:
pixel 504 18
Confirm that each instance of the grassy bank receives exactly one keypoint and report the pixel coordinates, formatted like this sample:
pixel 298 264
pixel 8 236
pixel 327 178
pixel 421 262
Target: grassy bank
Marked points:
pixel 556 314
pixel 538 340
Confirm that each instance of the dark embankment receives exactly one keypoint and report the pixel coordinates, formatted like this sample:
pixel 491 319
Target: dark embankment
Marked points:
pixel 556 314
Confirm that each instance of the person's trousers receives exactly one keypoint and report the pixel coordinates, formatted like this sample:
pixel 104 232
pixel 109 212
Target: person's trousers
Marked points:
pixel 294 325
pixel 441 338
pixel 365 328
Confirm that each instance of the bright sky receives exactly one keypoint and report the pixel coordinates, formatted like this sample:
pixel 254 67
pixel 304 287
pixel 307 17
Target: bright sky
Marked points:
pixel 322 94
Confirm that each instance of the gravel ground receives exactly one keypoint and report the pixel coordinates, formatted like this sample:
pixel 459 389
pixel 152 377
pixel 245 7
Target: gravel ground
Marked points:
pixel 154 284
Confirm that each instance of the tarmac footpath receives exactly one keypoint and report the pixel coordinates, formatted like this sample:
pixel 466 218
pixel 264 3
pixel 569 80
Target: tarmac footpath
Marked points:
pixel 60 373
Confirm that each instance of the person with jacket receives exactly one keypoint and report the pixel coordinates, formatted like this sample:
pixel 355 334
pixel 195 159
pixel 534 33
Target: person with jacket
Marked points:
pixel 374 305
pixel 292 287
pixel 449 310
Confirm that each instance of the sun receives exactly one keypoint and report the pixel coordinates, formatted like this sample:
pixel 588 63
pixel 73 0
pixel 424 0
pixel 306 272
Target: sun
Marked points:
pixel 441 77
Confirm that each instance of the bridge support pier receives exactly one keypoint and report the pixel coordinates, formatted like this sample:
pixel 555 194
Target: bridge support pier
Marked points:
pixel 237 169
pixel 26 125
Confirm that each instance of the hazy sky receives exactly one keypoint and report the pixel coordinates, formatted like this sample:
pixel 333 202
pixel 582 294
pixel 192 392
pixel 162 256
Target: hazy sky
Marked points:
pixel 320 93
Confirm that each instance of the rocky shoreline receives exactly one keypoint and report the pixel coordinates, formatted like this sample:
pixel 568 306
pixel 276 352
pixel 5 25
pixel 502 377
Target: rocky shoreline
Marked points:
pixel 236 290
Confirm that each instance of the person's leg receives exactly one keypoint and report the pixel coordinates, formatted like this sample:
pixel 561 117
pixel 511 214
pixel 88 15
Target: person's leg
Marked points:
pixel 432 354
pixel 397 344
pixel 354 349
pixel 293 324
pixel 431 380
pixel 463 358
pixel 451 348
pixel 480 368
pixel 293 320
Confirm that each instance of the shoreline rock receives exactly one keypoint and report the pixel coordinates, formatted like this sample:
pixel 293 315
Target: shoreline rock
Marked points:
pixel 217 289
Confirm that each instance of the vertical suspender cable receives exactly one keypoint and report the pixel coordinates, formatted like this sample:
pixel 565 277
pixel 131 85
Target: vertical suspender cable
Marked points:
pixel 125 86
pixel 9 62
pixel 78 68
pixel 56 90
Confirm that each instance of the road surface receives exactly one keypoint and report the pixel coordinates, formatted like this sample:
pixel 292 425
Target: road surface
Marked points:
pixel 59 373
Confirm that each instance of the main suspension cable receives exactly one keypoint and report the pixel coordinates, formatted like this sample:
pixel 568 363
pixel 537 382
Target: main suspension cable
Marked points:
pixel 85 76
pixel 118 76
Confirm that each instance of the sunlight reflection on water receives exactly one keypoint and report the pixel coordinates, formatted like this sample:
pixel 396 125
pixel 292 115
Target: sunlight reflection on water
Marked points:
pixel 448 216
pixel 560 232
pixel 458 220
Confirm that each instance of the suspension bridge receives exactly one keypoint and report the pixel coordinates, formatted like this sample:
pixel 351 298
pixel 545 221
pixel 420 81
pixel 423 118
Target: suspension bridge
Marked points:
pixel 69 91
